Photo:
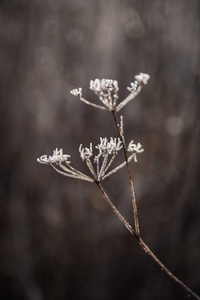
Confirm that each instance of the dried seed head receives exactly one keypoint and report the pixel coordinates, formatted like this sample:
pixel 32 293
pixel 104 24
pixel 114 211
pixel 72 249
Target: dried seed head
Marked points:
pixel 85 152
pixel 135 148
pixel 109 147
pixel 142 78
pixel 133 87
pixel 102 85
pixel 107 91
pixel 57 157
pixel 77 92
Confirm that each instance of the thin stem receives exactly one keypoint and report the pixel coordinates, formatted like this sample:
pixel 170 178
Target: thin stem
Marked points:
pixel 144 245
pixel 130 97
pixel 109 164
pixel 128 226
pixel 90 167
pixel 118 167
pixel 92 104
pixel 135 212
pixel 86 178
pixel 78 172
pixel 165 269
pixel 103 166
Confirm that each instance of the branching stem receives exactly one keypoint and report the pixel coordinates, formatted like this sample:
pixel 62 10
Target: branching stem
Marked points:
pixel 135 211
pixel 144 245
pixel 128 226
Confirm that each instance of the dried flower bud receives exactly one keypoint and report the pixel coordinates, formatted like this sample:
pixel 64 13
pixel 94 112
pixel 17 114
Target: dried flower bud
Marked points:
pixel 85 152
pixel 142 78
pixel 57 157
pixel 109 147
pixel 135 149
pixel 133 87
pixel 76 92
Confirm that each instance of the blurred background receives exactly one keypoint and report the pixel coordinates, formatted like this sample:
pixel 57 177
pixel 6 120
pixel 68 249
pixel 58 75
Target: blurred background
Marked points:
pixel 58 237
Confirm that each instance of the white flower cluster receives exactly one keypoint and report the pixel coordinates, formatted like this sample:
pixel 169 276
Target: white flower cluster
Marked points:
pixel 64 167
pixel 133 87
pixel 107 151
pixel 135 148
pixel 57 157
pixel 76 92
pixel 107 91
pixel 142 78
pixel 105 148
pixel 102 85
pixel 85 152
pixel 109 147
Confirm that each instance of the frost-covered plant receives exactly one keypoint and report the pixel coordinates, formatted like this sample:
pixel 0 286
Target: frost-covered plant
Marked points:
pixel 99 159
pixel 107 151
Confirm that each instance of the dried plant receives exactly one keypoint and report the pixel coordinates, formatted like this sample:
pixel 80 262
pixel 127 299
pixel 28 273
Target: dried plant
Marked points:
pixel 100 164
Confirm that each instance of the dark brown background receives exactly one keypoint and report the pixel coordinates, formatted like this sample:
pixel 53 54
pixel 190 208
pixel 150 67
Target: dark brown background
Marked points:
pixel 58 237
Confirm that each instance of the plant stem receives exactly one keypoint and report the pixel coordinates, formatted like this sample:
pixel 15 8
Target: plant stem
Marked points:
pixel 166 270
pixel 135 211
pixel 144 246
pixel 128 226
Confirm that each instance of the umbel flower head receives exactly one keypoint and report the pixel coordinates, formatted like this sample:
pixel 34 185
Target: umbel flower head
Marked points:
pixel 107 150
pixel 57 157
pixel 107 91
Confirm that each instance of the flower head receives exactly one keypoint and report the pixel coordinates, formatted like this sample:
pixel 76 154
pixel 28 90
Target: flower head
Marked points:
pixel 85 153
pixel 142 78
pixel 135 148
pixel 133 87
pixel 109 147
pixel 76 92
pixel 107 151
pixel 57 157
pixel 102 85
pixel 107 91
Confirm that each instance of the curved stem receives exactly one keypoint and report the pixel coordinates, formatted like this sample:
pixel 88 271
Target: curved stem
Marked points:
pixel 144 245
pixel 166 270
